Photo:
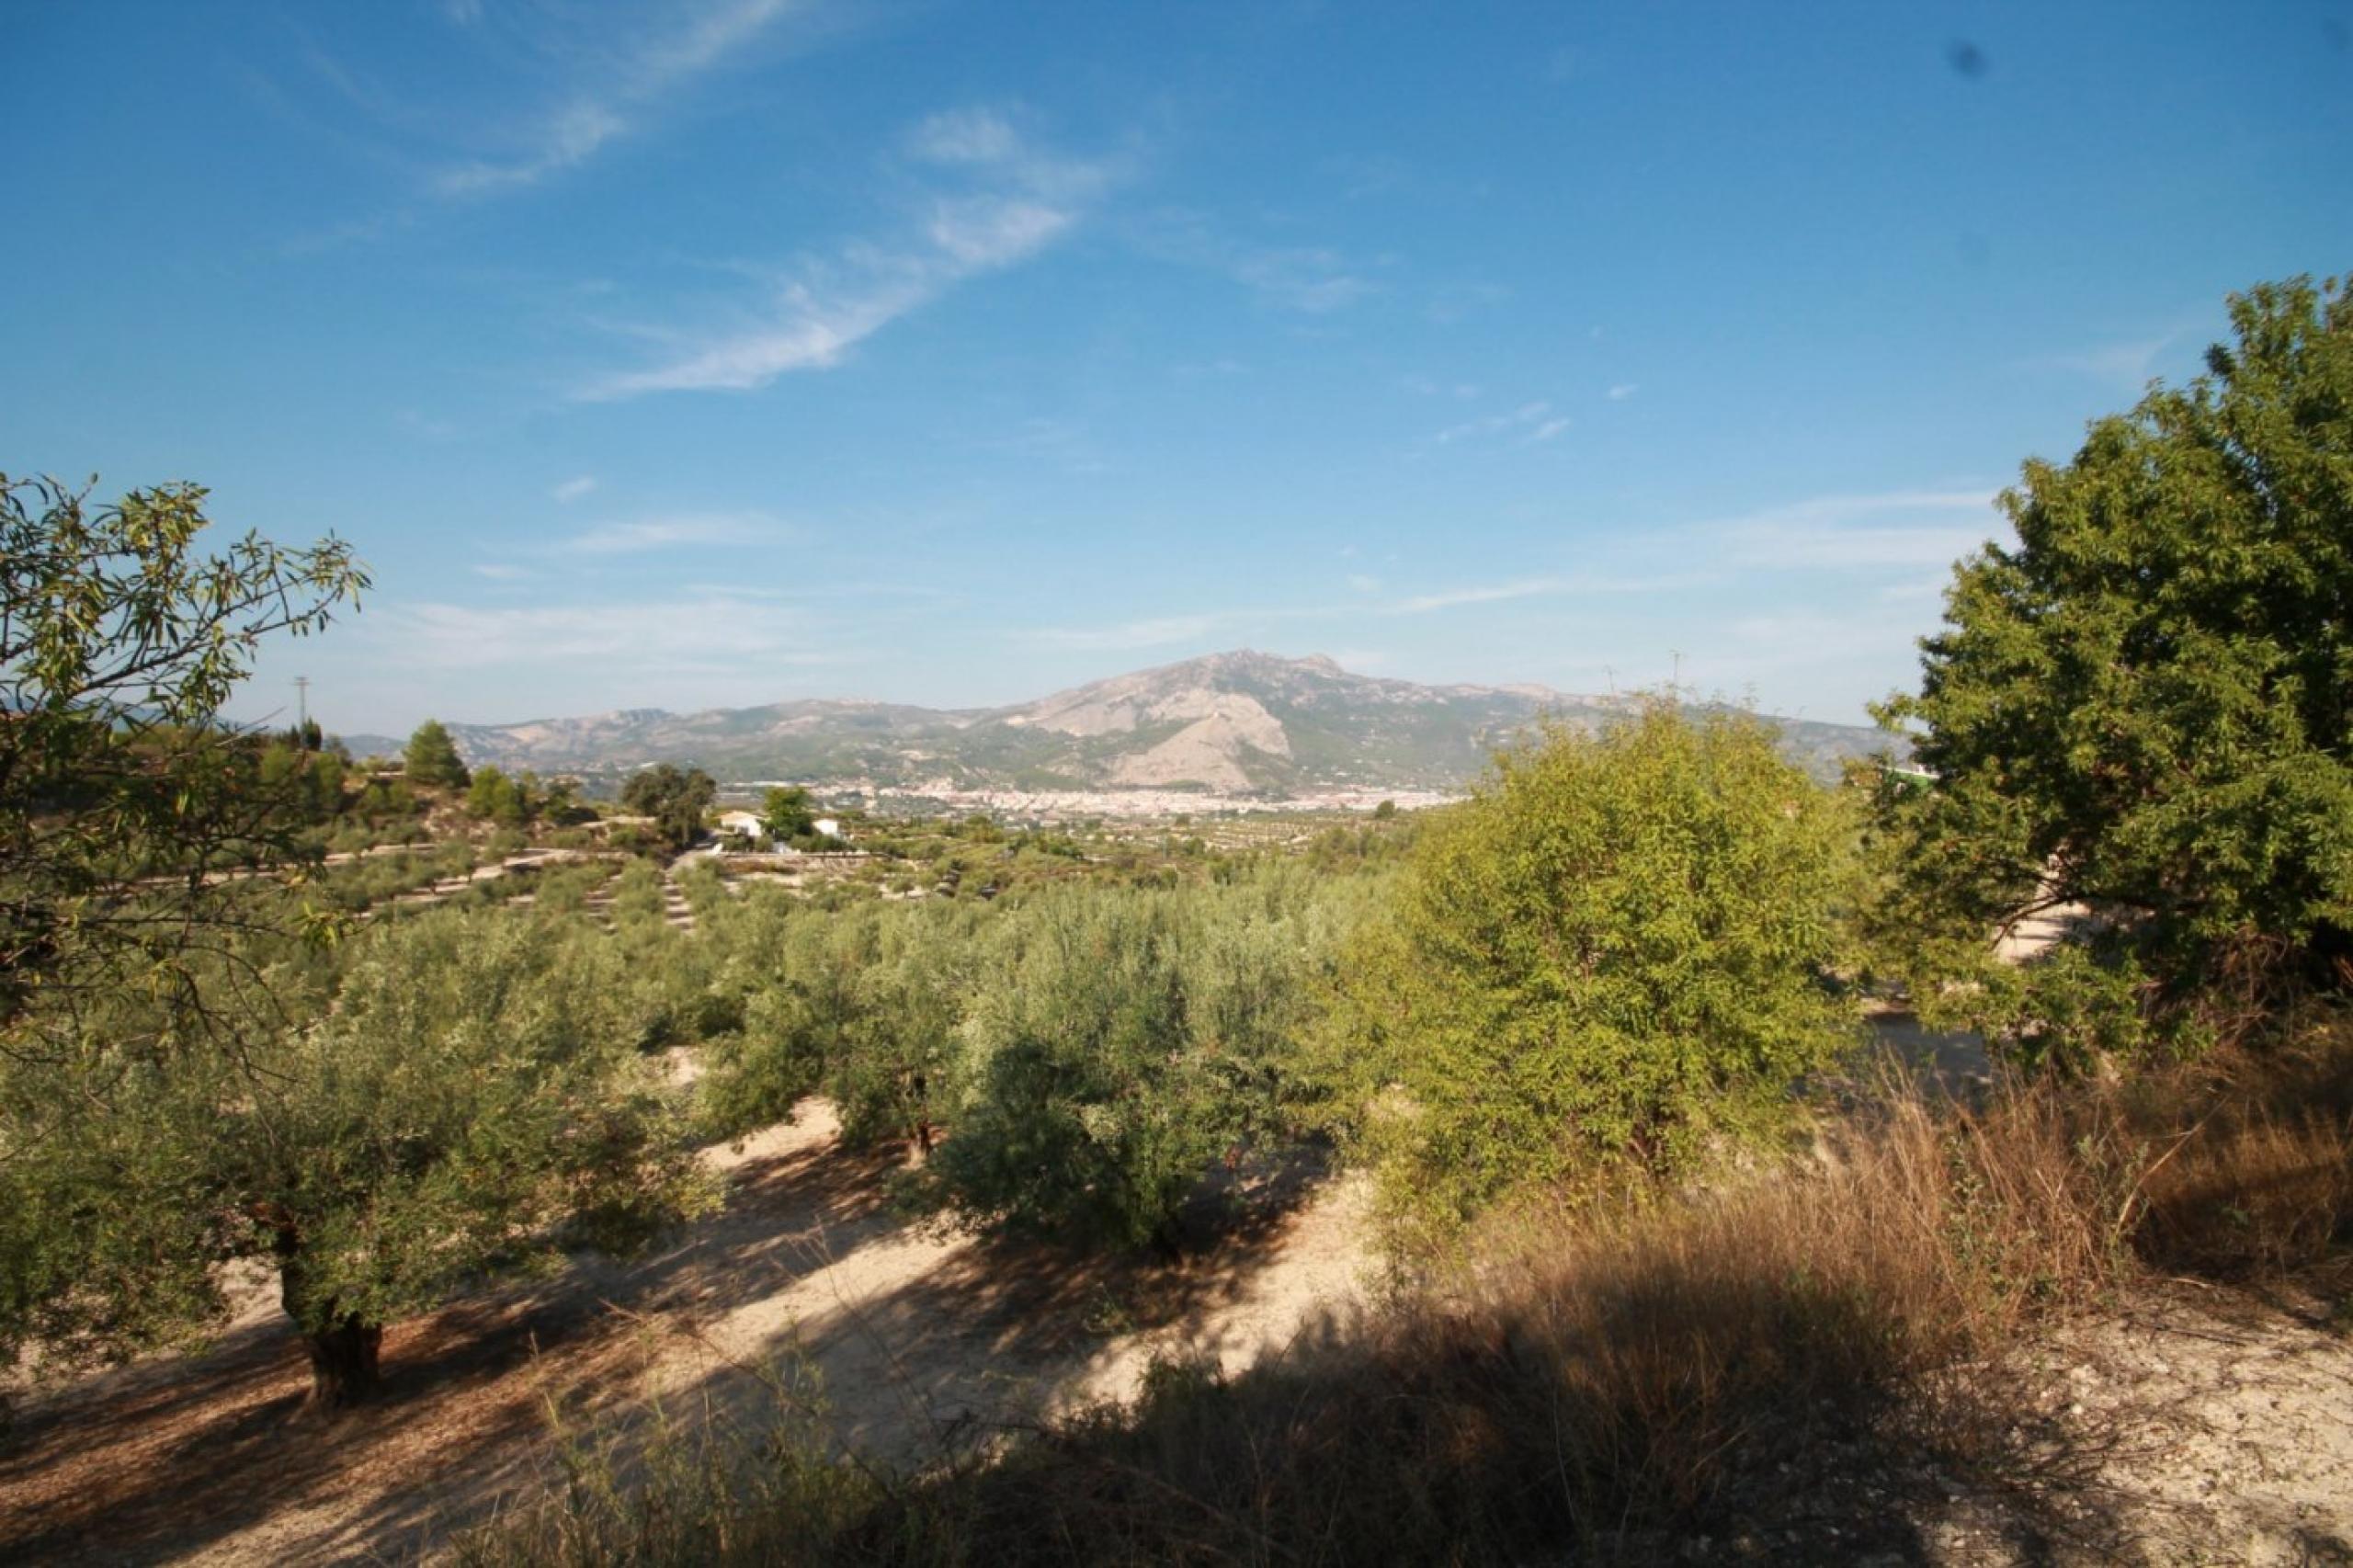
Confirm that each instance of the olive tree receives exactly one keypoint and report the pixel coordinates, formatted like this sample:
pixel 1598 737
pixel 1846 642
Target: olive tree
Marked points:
pixel 462 1100
pixel 1119 1042
pixel 2146 708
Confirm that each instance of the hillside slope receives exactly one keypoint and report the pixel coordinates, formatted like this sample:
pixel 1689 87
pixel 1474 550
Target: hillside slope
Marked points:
pixel 1241 723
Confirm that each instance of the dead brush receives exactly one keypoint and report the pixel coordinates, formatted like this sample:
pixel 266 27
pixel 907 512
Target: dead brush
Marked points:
pixel 2258 1181
pixel 1789 1350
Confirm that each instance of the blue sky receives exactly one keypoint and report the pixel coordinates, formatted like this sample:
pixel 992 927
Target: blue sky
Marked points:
pixel 713 352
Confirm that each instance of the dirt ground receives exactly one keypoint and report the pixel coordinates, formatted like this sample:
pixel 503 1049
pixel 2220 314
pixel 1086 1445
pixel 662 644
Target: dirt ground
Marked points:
pixel 914 1332
pixel 2220 1435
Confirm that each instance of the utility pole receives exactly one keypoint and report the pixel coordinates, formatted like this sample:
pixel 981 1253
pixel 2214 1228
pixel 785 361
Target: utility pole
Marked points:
pixel 302 701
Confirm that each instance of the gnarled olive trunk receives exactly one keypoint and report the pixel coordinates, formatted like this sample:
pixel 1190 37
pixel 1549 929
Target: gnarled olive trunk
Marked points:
pixel 343 1347
pixel 342 1363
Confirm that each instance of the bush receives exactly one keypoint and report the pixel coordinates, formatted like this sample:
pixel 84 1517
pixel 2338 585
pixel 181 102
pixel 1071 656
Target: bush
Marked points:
pixel 1617 950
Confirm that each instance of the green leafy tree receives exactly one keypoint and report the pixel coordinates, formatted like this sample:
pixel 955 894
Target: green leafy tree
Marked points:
pixel 787 813
pixel 1613 953
pixel 120 785
pixel 676 799
pixel 464 1101
pixel 494 797
pixel 432 757
pixel 2146 708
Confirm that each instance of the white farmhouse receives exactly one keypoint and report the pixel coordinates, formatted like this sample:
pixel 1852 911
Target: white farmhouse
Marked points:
pixel 748 823
pixel 827 828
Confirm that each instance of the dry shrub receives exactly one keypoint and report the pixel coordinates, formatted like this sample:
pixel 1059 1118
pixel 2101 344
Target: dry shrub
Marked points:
pixel 1592 1377
pixel 2252 1174
pixel 1793 1351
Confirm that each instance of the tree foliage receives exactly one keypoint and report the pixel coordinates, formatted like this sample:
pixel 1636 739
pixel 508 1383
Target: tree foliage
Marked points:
pixel 1123 1040
pixel 2144 708
pixel 121 788
pixel 787 813
pixel 674 797
pixel 1615 950
pixel 1093 1050
pixel 463 1097
pixel 510 803
pixel 432 757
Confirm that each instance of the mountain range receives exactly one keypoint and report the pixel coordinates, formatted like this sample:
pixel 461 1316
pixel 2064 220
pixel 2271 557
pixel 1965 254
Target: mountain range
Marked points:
pixel 1237 723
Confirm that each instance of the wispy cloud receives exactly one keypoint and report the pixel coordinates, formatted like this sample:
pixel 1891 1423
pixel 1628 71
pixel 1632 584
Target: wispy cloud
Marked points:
pixel 1622 391
pixel 1492 593
pixel 1310 279
pixel 633 81
pixel 704 632
pixel 500 572
pixel 1021 198
pixel 1530 423
pixel 1463 391
pixel 1160 631
pixel 1901 528
pixel 1154 632
pixel 669 533
pixel 2126 364
pixel 574 489
pixel 1542 586
pixel 965 136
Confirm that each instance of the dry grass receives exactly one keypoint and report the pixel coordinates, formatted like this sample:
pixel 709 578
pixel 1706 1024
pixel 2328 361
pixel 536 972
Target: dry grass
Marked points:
pixel 1792 1355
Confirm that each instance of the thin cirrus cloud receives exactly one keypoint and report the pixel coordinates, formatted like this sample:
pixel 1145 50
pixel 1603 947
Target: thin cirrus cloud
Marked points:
pixel 574 489
pixel 646 535
pixel 696 633
pixel 1531 424
pixel 1158 631
pixel 1911 529
pixel 1018 199
pixel 1162 631
pixel 1492 593
pixel 641 80
pixel 1313 280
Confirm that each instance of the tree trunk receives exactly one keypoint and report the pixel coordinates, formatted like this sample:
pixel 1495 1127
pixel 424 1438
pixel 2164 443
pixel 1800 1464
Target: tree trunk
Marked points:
pixel 343 1350
pixel 342 1363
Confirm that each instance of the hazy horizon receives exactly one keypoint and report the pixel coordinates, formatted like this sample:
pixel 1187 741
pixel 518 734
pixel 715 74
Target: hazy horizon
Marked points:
pixel 714 353
pixel 1108 673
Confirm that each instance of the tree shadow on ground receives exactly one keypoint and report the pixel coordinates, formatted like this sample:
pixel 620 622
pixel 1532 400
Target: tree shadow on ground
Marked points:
pixel 164 1458
pixel 168 1459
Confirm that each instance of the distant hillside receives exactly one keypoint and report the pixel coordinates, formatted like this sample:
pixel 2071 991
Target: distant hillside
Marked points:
pixel 1238 723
